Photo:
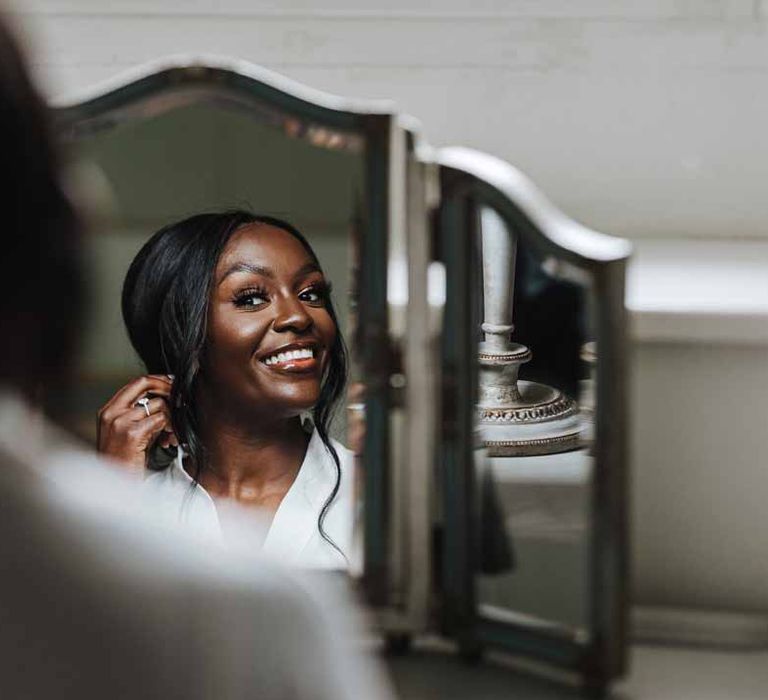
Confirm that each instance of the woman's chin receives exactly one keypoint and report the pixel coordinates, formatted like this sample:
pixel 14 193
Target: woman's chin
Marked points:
pixel 294 405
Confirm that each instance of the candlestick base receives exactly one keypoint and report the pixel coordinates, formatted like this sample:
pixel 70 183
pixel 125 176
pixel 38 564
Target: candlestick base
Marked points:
pixel 541 420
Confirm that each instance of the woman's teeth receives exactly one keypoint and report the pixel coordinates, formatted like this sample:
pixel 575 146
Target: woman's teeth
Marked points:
pixel 281 357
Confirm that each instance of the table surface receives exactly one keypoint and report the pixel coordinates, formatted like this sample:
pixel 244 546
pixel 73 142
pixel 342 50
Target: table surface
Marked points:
pixel 430 671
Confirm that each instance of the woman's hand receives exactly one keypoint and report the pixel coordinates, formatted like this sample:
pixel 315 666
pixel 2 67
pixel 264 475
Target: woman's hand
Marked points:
pixel 126 430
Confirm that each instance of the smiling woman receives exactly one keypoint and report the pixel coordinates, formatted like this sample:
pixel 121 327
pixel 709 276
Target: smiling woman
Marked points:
pixel 231 314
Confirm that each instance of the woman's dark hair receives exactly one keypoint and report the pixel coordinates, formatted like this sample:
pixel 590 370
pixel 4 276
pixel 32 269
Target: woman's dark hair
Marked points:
pixel 165 308
pixel 41 269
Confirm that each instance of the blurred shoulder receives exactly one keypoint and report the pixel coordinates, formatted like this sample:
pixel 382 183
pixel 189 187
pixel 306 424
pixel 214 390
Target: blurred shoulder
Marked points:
pixel 346 456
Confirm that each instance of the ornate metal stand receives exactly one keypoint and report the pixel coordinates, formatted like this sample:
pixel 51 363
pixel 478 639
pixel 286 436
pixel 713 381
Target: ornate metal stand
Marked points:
pixel 516 418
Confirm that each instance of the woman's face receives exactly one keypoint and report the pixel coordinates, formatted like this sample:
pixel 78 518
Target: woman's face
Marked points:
pixel 269 332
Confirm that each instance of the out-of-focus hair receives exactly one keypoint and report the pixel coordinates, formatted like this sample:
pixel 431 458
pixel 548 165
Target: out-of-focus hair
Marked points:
pixel 41 281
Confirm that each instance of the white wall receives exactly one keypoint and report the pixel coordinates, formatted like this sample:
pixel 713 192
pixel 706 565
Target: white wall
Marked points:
pixel 642 118
pixel 700 481
pixel 638 117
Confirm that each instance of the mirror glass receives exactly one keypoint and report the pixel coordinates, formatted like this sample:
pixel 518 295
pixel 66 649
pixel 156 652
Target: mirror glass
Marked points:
pixel 534 431
pixel 175 160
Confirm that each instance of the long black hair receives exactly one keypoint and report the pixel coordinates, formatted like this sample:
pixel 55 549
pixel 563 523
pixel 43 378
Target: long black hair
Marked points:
pixel 165 308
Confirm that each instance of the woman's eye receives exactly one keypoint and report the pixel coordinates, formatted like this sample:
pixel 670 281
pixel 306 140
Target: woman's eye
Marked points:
pixel 251 299
pixel 312 295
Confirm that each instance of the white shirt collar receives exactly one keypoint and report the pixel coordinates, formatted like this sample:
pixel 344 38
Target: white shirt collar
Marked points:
pixel 296 518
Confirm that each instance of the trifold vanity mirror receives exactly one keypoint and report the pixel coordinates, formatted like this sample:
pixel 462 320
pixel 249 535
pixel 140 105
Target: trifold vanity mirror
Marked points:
pixel 486 332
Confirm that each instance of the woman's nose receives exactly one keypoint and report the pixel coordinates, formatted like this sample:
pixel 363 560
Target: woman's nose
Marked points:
pixel 291 315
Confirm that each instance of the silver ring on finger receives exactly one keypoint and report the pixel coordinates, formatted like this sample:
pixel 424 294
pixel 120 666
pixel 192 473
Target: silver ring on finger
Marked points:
pixel 144 403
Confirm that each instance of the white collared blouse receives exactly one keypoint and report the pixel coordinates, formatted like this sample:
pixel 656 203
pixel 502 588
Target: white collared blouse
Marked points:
pixel 293 538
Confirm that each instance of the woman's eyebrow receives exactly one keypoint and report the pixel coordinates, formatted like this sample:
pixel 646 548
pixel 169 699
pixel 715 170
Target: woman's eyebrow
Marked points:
pixel 247 267
pixel 304 270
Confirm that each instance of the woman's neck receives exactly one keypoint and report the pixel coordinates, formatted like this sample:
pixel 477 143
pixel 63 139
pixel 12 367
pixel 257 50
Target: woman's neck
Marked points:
pixel 253 465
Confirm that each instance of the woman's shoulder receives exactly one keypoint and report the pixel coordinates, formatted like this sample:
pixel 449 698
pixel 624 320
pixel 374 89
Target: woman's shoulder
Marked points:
pixel 320 450
pixel 346 456
pixel 346 463
pixel 163 479
pixel 168 486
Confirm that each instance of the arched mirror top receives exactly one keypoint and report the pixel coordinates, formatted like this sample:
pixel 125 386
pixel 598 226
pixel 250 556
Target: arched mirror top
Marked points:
pixel 169 83
pixel 518 199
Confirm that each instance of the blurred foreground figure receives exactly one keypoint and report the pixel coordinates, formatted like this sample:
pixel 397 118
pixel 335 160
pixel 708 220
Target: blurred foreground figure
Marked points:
pixel 96 601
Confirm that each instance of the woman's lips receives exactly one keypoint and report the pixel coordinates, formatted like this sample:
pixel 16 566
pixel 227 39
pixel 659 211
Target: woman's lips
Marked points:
pixel 298 366
pixel 297 360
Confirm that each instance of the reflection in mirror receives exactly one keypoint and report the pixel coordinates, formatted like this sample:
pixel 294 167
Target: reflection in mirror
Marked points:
pixel 202 156
pixel 535 402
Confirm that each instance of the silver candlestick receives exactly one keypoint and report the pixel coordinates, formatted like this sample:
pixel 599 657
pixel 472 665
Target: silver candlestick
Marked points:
pixel 516 417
